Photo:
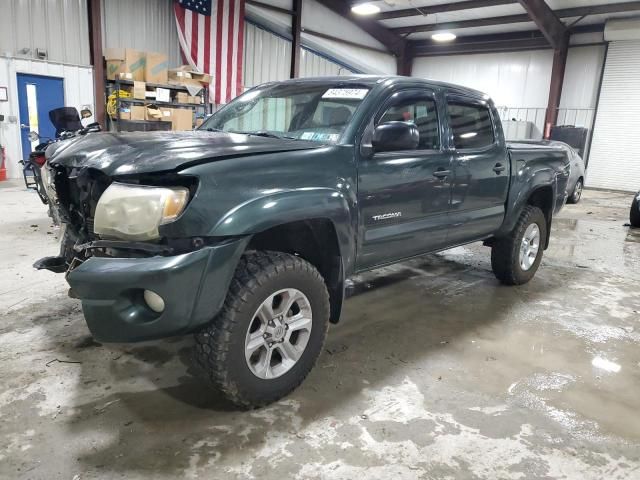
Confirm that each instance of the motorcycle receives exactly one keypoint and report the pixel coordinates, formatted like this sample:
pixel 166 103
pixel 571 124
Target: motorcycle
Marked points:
pixel 67 122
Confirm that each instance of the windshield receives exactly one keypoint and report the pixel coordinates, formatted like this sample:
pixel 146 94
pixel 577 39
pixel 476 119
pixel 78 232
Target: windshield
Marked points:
pixel 313 112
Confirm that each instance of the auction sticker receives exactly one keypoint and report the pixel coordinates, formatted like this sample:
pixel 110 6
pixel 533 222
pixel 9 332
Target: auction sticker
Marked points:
pixel 350 93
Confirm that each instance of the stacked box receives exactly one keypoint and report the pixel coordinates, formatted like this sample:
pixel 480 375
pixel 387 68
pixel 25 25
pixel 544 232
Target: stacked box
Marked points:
pixel 123 61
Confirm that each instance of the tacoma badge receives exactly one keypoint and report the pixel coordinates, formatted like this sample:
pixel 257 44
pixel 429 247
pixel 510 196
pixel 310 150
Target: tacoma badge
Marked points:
pixel 386 216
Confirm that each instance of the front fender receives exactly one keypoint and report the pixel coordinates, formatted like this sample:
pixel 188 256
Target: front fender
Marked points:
pixel 263 213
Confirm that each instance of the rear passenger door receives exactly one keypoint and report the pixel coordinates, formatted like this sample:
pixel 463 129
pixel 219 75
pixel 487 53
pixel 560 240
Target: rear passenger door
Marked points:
pixel 480 170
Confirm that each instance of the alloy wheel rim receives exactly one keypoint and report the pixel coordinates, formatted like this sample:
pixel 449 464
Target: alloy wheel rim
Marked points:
pixel 278 333
pixel 529 246
pixel 578 190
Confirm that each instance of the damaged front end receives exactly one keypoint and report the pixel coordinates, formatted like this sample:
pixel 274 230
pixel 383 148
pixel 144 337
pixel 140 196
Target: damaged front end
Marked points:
pixel 135 281
pixel 74 194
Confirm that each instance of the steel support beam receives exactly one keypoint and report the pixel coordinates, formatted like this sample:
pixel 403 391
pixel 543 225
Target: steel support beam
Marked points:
pixel 392 41
pixel 267 6
pixel 495 42
pixel 442 8
pixel 296 30
pixel 521 18
pixel 549 24
pixel 404 61
pixel 95 49
pixel 555 89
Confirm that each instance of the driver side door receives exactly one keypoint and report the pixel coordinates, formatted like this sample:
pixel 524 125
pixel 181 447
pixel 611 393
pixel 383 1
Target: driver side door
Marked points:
pixel 404 196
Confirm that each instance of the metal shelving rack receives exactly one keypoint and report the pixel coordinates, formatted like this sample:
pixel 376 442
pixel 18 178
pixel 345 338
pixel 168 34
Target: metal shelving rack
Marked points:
pixel 114 85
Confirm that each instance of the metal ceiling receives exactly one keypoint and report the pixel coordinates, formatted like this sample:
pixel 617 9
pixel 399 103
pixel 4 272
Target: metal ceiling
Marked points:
pixel 489 9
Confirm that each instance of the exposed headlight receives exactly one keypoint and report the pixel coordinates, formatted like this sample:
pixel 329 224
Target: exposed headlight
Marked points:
pixel 134 212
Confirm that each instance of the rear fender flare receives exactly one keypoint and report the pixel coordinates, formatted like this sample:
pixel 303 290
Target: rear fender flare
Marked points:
pixel 525 186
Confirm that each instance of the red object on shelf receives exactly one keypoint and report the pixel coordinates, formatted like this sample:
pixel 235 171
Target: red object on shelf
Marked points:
pixel 3 170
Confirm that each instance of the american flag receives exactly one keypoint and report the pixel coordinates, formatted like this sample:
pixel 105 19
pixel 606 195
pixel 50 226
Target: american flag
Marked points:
pixel 211 34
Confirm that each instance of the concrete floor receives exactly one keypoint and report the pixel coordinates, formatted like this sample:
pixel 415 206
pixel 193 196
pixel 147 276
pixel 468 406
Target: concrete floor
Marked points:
pixel 437 371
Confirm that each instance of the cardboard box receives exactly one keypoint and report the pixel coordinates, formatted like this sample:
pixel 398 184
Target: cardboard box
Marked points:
pixel 138 112
pixel 125 60
pixel 125 114
pixel 139 90
pixel 195 99
pixel 156 68
pixel 153 113
pixel 184 75
pixel 167 114
pixel 182 97
pixel 199 121
pixel 163 95
pixel 182 119
pixel 125 76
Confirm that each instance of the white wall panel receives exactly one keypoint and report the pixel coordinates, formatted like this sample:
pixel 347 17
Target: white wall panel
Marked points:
pixel 147 25
pixel 267 57
pixel 319 18
pixel 513 79
pixel 314 65
pixel 615 152
pixel 59 26
pixel 78 91
pixel 519 82
pixel 582 77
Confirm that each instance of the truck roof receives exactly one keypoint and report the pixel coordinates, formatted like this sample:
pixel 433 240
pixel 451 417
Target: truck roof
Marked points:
pixel 392 79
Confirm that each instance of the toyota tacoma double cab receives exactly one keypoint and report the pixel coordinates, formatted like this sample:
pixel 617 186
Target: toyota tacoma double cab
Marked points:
pixel 244 231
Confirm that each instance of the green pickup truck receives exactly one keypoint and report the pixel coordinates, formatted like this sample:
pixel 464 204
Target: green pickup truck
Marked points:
pixel 244 231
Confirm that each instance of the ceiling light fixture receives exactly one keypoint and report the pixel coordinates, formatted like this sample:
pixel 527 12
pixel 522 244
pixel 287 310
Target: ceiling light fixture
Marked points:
pixel 443 37
pixel 365 8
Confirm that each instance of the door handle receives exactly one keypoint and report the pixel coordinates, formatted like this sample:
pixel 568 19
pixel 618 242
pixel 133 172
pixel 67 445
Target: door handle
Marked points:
pixel 22 125
pixel 499 168
pixel 441 173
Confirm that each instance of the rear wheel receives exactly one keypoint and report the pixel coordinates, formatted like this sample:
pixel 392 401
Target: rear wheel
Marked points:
pixel 516 257
pixel 576 195
pixel 634 214
pixel 270 331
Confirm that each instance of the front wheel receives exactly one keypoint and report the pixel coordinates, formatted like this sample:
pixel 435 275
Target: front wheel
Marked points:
pixel 516 257
pixel 269 333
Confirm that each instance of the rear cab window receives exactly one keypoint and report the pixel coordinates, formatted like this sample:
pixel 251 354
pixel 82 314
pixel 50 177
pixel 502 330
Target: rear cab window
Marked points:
pixel 471 124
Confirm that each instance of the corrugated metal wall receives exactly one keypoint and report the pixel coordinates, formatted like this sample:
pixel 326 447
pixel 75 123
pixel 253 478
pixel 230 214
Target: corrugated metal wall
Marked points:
pixel 313 65
pixel 59 26
pixel 267 57
pixel 147 25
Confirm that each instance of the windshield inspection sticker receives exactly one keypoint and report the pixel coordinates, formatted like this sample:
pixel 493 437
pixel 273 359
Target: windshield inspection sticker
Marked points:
pixel 350 93
pixel 320 136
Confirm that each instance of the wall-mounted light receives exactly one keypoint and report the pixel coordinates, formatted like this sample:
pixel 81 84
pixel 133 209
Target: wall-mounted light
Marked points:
pixel 443 37
pixel 365 8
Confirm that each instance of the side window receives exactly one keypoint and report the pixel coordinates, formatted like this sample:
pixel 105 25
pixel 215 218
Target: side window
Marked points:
pixel 421 112
pixel 471 125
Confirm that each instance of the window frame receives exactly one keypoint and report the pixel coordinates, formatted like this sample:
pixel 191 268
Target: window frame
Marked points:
pixel 397 96
pixel 475 102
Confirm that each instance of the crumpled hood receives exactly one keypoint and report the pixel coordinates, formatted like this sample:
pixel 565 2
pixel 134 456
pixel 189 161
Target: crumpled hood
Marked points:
pixel 143 152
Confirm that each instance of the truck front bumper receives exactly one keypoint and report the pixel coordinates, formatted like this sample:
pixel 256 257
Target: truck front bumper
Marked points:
pixel 192 285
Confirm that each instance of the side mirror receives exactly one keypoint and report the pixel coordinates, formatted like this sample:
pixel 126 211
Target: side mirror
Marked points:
pixel 86 112
pixel 395 136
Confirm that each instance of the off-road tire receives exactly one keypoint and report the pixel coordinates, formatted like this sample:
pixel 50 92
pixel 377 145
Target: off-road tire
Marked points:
pixel 220 346
pixel 576 195
pixel 505 252
pixel 634 214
